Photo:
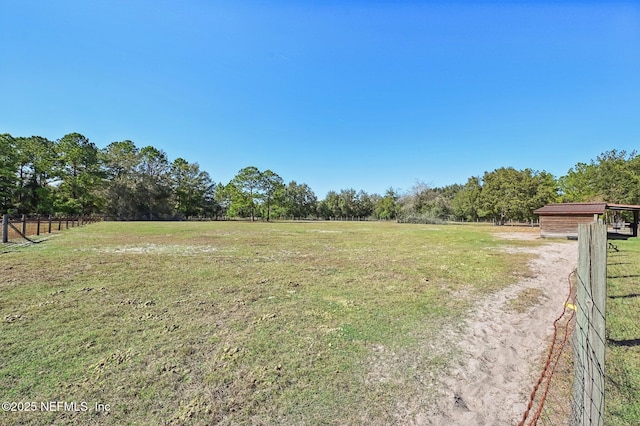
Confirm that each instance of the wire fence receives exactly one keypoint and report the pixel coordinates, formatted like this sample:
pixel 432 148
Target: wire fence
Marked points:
pixel 551 398
pixel 24 227
pixel 570 389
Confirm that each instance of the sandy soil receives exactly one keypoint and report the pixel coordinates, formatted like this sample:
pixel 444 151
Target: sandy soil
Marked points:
pixel 502 347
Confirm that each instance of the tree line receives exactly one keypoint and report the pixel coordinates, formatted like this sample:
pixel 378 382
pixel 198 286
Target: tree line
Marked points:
pixel 72 176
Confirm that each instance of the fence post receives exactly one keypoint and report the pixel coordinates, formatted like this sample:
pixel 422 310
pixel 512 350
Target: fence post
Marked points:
pixel 590 324
pixel 5 228
pixel 49 225
pixel 38 226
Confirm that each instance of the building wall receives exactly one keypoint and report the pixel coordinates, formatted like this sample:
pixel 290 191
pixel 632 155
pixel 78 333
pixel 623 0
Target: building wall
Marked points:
pixel 563 226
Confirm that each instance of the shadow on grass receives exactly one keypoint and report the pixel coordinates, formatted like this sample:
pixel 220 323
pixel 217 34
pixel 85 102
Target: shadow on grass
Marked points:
pixel 627 343
pixel 625 296
pixel 623 276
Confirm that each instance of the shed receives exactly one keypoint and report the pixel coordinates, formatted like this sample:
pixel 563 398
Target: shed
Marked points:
pixel 562 220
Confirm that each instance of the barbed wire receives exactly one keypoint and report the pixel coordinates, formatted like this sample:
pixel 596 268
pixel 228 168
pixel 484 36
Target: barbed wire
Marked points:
pixel 565 321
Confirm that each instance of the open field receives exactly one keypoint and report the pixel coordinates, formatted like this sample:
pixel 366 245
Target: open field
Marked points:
pixel 234 322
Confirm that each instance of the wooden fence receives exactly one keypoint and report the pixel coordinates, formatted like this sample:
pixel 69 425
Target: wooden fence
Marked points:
pixel 21 228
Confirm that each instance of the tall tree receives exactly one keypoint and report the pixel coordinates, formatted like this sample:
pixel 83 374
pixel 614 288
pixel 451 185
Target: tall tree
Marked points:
pixel 613 177
pixel 443 204
pixel 153 187
pixel 544 191
pixel 81 176
pixel 246 193
pixel 634 168
pixel 347 202
pixel 330 206
pixel 223 196
pixel 299 200
pixel 500 194
pixel 511 194
pixel 387 206
pixel 35 156
pixel 272 187
pixel 364 205
pixel 616 181
pixel 578 185
pixel 41 160
pixel 191 187
pixel 210 207
pixel 8 171
pixel 121 161
pixel 465 202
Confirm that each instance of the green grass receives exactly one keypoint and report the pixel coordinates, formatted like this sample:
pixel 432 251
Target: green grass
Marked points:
pixel 622 365
pixel 234 322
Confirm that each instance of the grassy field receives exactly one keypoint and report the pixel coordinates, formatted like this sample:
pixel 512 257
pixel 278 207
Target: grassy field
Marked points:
pixel 234 322
pixel 623 335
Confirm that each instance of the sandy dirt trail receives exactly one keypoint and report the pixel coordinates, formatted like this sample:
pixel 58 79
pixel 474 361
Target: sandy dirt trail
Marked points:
pixel 501 347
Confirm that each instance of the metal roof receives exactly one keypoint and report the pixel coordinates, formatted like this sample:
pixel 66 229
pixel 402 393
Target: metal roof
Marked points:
pixel 571 209
pixel 582 208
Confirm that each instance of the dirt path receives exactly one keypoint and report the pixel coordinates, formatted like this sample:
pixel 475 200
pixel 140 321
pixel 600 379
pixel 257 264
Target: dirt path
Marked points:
pixel 501 345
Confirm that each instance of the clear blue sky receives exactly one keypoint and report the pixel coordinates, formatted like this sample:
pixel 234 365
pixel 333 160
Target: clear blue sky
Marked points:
pixel 336 94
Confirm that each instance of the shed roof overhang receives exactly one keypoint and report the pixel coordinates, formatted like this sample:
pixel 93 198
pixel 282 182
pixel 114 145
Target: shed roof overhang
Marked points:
pixel 582 208
pixel 627 207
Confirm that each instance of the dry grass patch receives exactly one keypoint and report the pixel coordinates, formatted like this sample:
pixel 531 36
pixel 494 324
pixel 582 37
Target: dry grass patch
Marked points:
pixel 526 299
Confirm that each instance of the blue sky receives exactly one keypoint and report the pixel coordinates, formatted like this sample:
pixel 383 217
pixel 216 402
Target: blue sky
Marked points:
pixel 336 94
